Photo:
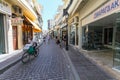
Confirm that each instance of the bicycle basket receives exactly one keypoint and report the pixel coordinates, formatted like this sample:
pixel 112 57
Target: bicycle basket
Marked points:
pixel 31 50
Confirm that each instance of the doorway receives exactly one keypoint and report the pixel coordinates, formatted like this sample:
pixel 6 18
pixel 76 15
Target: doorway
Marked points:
pixel 108 36
pixel 77 35
pixel 15 44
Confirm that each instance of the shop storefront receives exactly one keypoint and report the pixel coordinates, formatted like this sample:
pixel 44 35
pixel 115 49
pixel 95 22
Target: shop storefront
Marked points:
pixel 72 34
pixel 92 37
pixel 73 31
pixel 63 33
pixel 17 23
pixel 30 25
pixel 116 59
pixel 5 28
pixel 27 32
pixel 100 29
pixel 2 38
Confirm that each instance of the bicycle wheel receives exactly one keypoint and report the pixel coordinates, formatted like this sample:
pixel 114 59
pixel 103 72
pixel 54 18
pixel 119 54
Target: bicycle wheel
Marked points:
pixel 25 57
pixel 36 53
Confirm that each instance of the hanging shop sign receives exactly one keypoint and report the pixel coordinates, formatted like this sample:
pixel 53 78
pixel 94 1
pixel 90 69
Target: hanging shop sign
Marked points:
pixel 109 8
pixel 5 7
pixel 17 21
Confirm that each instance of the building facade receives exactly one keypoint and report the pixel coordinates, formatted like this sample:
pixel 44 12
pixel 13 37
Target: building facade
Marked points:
pixel 17 25
pixel 94 25
pixel 100 28
pixel 5 27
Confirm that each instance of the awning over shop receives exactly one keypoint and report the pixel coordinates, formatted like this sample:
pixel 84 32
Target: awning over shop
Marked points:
pixel 35 26
pixel 27 10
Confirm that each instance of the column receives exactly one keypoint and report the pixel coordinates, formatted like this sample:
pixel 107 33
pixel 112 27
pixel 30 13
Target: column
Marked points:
pixel 68 34
pixel 75 34
pixel 20 41
pixel 9 36
pixel 80 36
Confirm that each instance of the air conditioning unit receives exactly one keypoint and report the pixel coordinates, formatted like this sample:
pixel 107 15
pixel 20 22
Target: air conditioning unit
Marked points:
pixel 17 10
pixel 76 20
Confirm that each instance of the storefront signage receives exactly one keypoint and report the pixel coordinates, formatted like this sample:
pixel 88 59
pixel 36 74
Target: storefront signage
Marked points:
pixel 111 7
pixel 5 7
pixel 107 8
pixel 17 21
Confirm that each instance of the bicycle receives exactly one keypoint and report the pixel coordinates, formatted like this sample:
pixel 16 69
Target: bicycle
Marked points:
pixel 33 50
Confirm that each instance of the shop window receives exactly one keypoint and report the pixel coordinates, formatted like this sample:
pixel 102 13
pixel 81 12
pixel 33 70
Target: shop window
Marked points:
pixel 116 56
pixel 72 38
pixel 72 35
pixel 84 38
pixel 2 33
pixel 118 34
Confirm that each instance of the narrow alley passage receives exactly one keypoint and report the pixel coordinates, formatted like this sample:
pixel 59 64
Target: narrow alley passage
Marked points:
pixel 49 65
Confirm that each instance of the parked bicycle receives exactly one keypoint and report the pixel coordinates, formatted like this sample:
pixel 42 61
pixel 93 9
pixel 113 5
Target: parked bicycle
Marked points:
pixel 32 51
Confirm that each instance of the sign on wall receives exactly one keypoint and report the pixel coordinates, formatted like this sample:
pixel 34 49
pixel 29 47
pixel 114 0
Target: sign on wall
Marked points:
pixel 107 9
pixel 17 21
pixel 5 7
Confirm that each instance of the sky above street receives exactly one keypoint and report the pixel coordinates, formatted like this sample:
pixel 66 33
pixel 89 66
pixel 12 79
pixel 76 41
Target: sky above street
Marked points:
pixel 49 10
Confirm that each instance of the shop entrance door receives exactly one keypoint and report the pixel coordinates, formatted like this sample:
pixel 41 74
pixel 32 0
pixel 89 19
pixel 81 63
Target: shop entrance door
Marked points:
pixel 76 35
pixel 15 45
pixel 108 36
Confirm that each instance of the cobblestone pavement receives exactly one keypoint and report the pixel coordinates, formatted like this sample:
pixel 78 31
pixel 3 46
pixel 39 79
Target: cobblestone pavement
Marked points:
pixel 49 65
pixel 86 69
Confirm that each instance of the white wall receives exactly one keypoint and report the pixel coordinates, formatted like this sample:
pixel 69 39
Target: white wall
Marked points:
pixel 10 36
pixel 20 41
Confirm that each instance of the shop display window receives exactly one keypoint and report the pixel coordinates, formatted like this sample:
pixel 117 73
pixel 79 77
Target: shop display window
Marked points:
pixel 72 38
pixel 116 56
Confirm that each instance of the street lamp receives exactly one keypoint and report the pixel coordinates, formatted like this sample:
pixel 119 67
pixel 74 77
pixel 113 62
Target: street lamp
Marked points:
pixel 66 21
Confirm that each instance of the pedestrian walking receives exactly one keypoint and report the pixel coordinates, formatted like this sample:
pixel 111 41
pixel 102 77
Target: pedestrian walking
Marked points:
pixel 58 41
pixel 29 41
pixel 64 39
pixel 48 39
pixel 44 40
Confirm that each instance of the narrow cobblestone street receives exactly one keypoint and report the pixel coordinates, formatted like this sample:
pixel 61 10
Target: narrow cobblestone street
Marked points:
pixel 49 65
pixel 52 64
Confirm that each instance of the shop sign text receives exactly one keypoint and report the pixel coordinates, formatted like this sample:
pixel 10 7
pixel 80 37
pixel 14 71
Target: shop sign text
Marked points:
pixel 4 7
pixel 107 8
pixel 17 21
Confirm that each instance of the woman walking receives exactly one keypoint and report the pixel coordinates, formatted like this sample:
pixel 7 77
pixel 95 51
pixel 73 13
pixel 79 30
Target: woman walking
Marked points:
pixel 58 41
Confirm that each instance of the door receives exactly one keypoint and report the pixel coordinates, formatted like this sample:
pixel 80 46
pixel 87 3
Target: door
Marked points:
pixel 77 35
pixel 108 36
pixel 15 45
